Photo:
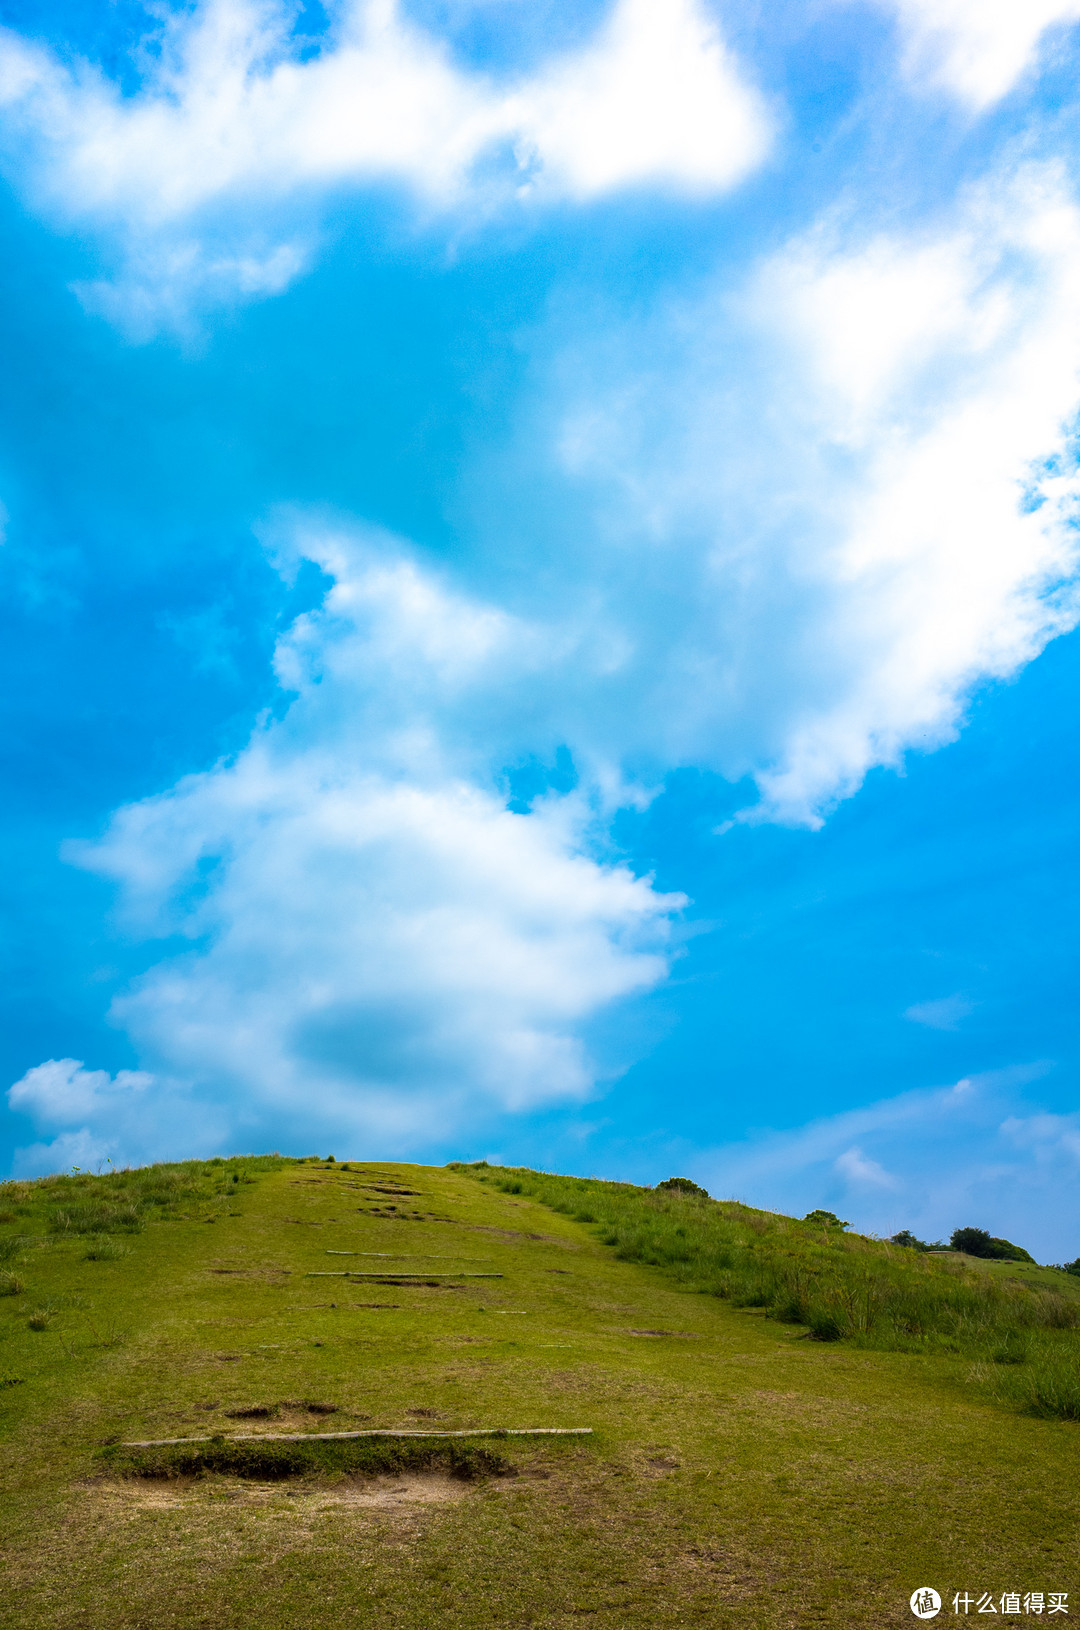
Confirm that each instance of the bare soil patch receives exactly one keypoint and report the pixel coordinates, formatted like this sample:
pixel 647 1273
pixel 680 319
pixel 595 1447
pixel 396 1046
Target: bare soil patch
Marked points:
pixel 374 1493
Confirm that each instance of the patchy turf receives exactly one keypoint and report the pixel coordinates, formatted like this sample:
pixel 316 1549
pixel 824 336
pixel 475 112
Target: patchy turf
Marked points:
pixel 740 1473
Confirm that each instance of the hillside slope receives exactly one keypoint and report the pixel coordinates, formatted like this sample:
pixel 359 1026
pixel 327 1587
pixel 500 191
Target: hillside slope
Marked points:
pixel 739 1473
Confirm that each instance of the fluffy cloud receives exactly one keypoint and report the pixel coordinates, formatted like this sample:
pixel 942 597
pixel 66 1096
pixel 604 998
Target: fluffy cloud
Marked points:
pixel 232 128
pixel 378 946
pixel 831 503
pixel 61 1091
pixel 976 49
pixel 971 1154
pixel 656 99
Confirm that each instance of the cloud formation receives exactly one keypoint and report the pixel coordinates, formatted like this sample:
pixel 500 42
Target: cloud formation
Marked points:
pixel 232 130
pixel 802 512
pixel 976 49
pixel 377 944
pixel 832 502
pixel 838 498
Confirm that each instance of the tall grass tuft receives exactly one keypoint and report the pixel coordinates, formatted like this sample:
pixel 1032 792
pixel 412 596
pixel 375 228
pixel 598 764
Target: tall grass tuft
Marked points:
pixel 1053 1389
pixel 1048 1382
pixel 97 1217
pixel 105 1249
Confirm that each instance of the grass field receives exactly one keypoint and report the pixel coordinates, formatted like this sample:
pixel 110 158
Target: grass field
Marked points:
pixel 740 1473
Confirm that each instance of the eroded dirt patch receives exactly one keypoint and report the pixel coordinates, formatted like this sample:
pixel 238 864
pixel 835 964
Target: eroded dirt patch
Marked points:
pixel 374 1493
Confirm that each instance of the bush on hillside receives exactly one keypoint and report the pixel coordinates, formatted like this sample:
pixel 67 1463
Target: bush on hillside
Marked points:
pixel 825 1219
pixel 977 1242
pixel 912 1243
pixel 682 1185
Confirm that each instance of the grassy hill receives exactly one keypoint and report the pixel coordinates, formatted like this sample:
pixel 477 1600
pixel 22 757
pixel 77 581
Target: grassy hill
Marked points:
pixel 791 1426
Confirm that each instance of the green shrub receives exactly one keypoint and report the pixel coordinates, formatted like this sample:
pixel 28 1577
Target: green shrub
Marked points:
pixel 11 1284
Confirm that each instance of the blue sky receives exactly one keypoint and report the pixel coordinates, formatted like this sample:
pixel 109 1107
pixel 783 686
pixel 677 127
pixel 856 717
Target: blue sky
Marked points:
pixel 540 582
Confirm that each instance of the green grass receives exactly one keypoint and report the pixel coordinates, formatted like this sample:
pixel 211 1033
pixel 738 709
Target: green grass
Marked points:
pixel 838 1286
pixel 741 1473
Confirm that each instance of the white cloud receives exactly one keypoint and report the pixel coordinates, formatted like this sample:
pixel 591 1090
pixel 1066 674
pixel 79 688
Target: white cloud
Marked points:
pixel 976 49
pixel 61 1091
pixel 829 505
pixel 970 1155
pixel 378 945
pixel 232 128
pixel 945 1013
pixel 861 1172
pixel 656 99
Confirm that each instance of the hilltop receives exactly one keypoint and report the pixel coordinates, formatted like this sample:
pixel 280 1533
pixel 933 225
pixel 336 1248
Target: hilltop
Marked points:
pixel 791 1425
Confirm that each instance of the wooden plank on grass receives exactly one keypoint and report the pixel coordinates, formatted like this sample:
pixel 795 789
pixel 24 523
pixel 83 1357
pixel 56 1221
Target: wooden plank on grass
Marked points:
pixel 387 1275
pixel 377 1432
